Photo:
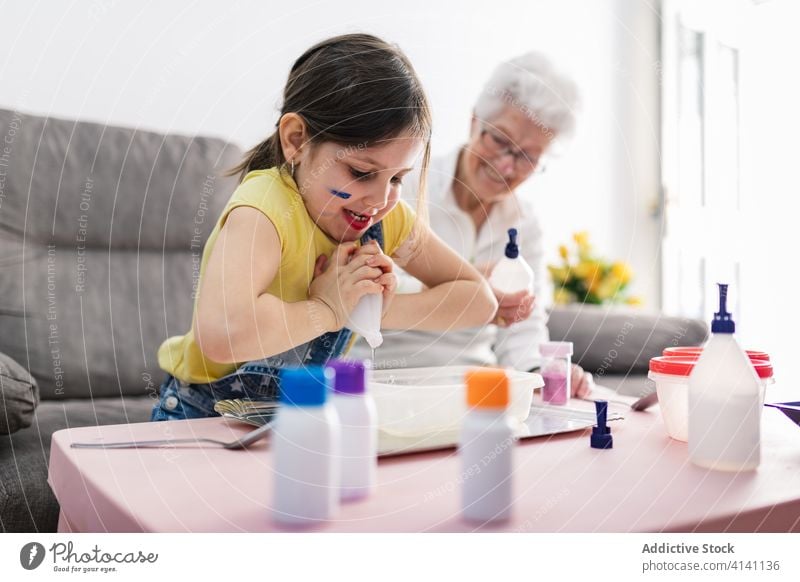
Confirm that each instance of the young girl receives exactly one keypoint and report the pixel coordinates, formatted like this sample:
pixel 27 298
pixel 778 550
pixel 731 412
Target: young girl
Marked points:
pixel 317 223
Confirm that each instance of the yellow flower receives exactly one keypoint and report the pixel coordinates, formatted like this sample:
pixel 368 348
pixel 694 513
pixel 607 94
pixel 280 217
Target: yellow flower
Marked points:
pixel 564 252
pixel 587 270
pixel 561 296
pixel 606 288
pixel 559 274
pixel 634 300
pixel 622 272
pixel 582 239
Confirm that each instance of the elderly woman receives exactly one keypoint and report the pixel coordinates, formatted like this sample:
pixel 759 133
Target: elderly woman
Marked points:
pixel 523 109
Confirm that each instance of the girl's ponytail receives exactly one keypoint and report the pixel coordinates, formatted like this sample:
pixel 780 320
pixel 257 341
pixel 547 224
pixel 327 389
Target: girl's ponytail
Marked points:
pixel 267 154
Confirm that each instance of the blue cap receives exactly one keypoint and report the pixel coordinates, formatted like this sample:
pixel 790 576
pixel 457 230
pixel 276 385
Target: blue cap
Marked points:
pixel 512 250
pixel 304 386
pixel 722 322
pixel 601 434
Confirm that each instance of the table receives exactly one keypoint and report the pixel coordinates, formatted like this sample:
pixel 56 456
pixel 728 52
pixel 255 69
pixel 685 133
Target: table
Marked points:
pixel 644 484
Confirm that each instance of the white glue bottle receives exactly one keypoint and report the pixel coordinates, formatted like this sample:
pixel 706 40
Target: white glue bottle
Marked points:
pixel 724 401
pixel 485 447
pixel 365 319
pixel 306 443
pixel 512 274
pixel 359 421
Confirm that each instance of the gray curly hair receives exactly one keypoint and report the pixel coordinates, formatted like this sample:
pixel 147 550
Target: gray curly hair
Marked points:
pixel 531 83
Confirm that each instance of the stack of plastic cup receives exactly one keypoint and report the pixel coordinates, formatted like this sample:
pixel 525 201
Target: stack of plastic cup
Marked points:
pixel 671 375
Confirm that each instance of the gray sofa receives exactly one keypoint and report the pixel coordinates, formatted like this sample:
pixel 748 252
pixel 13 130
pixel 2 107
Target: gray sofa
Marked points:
pixel 101 233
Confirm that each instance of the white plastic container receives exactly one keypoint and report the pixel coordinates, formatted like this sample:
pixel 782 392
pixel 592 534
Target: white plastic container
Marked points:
pixel 724 402
pixel 419 401
pixel 306 443
pixel 365 320
pixel 359 422
pixel 671 376
pixel 512 274
pixel 556 372
pixel 486 447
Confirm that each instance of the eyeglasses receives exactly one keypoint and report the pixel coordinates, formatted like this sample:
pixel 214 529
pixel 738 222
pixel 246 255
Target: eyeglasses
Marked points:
pixel 500 146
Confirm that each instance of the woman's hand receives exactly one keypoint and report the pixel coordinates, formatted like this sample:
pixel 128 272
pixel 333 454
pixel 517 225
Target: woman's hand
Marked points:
pixel 340 283
pixel 513 307
pixel 582 382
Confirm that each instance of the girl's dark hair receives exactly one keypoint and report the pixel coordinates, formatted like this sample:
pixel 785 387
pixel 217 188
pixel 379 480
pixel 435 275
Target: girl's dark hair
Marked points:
pixel 351 89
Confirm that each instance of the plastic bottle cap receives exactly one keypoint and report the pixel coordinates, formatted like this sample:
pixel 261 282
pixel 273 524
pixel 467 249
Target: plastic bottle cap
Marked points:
pixel 555 349
pixel 601 434
pixel 306 386
pixel 763 368
pixel 487 388
pixel 348 376
pixel 694 351
pixel 673 365
pixel 722 322
pixel 682 351
pixel 683 365
pixel 512 250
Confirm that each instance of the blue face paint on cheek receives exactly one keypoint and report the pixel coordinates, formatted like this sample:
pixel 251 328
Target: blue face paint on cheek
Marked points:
pixel 339 193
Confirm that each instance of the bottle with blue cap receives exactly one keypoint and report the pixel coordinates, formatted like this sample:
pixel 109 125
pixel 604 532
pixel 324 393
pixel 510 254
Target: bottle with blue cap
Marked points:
pixel 724 401
pixel 306 442
pixel 512 274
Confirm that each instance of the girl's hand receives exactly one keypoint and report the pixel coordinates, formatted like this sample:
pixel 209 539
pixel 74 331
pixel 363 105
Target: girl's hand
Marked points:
pixel 388 280
pixel 338 284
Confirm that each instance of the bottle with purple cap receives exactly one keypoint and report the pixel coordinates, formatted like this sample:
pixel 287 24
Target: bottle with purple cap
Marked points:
pixel 359 423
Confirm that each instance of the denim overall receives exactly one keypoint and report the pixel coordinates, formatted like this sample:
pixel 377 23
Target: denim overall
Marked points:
pixel 256 380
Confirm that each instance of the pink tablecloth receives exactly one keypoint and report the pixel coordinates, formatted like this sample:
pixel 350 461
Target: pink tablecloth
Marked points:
pixel 645 483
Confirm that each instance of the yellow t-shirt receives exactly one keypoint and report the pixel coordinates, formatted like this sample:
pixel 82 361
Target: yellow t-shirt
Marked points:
pixel 277 197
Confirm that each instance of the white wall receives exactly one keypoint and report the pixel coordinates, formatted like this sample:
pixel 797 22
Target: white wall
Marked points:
pixel 218 68
pixel 770 195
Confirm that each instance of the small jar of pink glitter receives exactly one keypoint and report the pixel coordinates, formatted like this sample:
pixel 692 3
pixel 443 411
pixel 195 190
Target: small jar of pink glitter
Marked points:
pixel 556 371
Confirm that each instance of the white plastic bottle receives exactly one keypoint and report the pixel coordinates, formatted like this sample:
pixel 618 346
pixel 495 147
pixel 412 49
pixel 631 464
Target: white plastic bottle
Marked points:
pixel 486 446
pixel 365 320
pixel 724 401
pixel 306 443
pixel 359 421
pixel 512 274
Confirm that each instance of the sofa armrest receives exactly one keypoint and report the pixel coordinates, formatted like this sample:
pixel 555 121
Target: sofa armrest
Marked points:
pixel 19 396
pixel 620 340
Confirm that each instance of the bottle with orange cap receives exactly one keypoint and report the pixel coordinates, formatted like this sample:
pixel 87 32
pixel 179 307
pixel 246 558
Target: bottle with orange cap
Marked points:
pixel 485 447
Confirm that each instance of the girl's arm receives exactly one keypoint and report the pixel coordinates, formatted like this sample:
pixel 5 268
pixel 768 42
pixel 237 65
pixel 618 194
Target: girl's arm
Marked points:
pixel 238 321
pixel 457 295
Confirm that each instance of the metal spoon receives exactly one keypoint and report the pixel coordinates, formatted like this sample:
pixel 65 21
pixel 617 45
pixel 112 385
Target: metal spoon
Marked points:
pixel 239 443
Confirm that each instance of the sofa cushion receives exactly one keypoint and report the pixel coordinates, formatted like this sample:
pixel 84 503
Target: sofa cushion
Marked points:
pixel 26 502
pixel 19 396
pixel 620 340
pixel 101 234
